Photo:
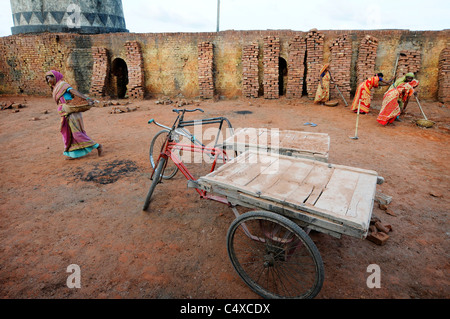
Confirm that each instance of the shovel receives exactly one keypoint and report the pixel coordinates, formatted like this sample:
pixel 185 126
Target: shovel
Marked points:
pixel 357 119
pixel 346 104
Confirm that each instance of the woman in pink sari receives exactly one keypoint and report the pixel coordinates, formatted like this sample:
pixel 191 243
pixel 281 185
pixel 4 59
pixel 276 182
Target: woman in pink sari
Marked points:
pixel 76 142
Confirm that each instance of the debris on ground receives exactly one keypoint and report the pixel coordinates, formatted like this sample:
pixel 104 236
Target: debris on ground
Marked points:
pixel 178 102
pixel 12 106
pixel 378 232
pixel 123 109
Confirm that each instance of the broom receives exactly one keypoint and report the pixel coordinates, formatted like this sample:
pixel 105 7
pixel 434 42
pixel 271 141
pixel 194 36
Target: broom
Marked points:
pixel 423 122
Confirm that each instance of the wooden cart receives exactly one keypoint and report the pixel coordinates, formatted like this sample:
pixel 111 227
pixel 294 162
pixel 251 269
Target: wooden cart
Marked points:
pixel 291 195
pixel 285 176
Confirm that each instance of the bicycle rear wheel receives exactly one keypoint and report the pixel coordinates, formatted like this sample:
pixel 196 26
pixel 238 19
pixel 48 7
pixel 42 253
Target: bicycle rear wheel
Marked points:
pixel 155 148
pixel 156 179
pixel 274 256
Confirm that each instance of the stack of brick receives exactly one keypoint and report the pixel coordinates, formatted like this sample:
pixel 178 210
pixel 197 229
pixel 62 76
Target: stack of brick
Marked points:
pixel 100 71
pixel 408 61
pixel 250 82
pixel 135 64
pixel 205 69
pixel 271 67
pixel 365 65
pixel 444 76
pixel 340 63
pixel 314 60
pixel 296 64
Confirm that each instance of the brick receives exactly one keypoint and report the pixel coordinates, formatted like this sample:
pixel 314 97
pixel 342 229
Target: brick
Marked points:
pixel 378 238
pixel 444 76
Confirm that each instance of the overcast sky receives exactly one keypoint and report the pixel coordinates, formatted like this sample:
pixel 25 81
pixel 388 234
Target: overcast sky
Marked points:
pixel 143 16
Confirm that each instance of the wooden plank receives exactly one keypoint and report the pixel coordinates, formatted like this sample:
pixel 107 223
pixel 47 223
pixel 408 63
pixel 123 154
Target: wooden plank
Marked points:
pixel 290 180
pixel 362 201
pixel 337 195
pixel 318 178
pixel 305 144
pixel 251 171
pixel 236 166
pixel 264 181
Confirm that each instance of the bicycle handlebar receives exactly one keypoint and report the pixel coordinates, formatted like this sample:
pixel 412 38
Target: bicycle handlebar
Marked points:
pixel 185 110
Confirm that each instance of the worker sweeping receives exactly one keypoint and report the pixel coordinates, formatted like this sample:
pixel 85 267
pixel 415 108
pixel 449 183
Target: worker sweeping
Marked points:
pixel 364 95
pixel 394 103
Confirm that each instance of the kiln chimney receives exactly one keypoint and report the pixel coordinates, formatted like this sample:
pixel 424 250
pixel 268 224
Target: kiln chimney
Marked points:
pixel 75 16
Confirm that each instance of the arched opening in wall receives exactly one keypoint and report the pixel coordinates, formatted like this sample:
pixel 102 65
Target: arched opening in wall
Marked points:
pixel 119 78
pixel 282 75
pixel 305 74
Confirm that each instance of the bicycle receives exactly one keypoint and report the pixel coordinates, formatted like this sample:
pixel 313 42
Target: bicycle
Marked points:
pixel 167 143
pixel 180 131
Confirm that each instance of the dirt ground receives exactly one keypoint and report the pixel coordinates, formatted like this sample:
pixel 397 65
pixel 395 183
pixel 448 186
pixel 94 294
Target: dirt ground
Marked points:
pixel 88 212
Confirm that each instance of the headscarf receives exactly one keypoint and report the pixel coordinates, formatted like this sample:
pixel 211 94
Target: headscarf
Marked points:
pixel 323 69
pixel 60 87
pixel 403 79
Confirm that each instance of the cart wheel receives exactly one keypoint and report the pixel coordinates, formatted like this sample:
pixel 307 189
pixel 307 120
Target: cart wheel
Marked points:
pixel 274 256
pixel 155 148
pixel 156 179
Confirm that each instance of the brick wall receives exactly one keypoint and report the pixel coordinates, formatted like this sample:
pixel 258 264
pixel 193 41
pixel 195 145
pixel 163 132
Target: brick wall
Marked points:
pixel 205 69
pixel 135 65
pixel 314 60
pixel 171 60
pixel 250 81
pixel 340 63
pixel 367 53
pixel 296 67
pixel 409 61
pixel 271 65
pixel 100 71
pixel 444 76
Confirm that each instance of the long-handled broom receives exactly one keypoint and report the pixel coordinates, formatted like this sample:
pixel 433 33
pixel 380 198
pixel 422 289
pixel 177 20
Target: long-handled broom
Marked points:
pixel 357 120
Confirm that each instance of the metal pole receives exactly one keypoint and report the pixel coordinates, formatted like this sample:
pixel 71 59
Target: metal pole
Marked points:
pixel 218 14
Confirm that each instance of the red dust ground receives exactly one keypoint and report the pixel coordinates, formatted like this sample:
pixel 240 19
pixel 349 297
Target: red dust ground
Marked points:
pixel 88 212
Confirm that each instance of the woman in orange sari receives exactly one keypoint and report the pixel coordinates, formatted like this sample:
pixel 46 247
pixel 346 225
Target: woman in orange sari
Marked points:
pixel 323 89
pixel 394 103
pixel 363 92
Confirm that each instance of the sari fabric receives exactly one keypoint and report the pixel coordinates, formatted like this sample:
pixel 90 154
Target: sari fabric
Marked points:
pixel 402 80
pixel 363 93
pixel 323 91
pixel 393 101
pixel 72 126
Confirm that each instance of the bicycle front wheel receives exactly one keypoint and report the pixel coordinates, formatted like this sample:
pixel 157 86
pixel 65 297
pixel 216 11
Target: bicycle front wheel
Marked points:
pixel 274 256
pixel 155 149
pixel 156 179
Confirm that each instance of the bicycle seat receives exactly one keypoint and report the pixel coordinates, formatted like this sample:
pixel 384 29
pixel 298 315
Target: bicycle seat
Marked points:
pixel 186 110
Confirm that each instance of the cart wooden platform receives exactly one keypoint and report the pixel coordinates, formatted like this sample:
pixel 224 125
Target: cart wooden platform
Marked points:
pixel 329 198
pixel 269 247
pixel 309 145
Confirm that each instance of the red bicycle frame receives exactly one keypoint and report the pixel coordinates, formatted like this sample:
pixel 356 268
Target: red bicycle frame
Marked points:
pixel 167 153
